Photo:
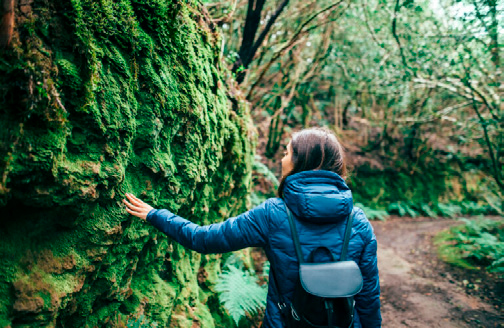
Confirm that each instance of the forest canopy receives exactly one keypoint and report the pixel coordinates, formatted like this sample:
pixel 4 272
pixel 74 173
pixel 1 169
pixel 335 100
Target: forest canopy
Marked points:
pixel 413 86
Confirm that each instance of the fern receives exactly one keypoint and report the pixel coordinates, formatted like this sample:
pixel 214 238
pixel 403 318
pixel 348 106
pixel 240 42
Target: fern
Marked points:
pixel 402 208
pixel 265 171
pixel 451 210
pixel 256 198
pixel 266 269
pixel 477 242
pixel 495 200
pixel 373 214
pixel 474 208
pixel 427 210
pixel 497 265
pixel 411 212
pixel 239 293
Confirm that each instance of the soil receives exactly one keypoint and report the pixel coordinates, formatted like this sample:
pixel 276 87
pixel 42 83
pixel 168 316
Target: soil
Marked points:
pixel 419 290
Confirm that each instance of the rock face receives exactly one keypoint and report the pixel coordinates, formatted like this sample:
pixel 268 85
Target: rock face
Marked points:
pixel 99 98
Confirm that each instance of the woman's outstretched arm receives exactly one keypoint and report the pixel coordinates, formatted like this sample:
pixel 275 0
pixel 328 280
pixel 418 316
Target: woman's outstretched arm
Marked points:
pixel 248 229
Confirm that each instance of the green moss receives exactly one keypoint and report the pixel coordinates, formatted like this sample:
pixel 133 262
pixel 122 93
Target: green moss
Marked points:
pixel 100 99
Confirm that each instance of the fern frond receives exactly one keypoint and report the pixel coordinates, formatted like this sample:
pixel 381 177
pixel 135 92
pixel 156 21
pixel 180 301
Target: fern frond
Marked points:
pixel 372 213
pixel 239 293
pixel 265 171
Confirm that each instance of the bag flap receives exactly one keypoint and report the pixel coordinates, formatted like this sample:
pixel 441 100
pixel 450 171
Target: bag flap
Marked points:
pixel 332 279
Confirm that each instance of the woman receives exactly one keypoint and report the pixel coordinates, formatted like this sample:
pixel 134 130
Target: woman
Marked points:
pixel 312 186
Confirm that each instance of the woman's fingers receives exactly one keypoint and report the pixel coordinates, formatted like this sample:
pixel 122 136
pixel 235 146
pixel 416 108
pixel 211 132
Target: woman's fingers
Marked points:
pixel 136 207
pixel 130 211
pixel 137 202
pixel 139 215
pixel 142 214
pixel 131 206
pixel 134 200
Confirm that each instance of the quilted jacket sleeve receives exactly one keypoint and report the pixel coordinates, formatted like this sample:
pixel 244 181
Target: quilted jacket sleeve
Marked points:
pixel 248 229
pixel 367 302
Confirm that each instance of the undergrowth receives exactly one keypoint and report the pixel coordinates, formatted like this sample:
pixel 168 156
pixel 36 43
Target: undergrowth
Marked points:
pixel 265 182
pixel 474 244
pixel 373 214
pixel 239 290
pixel 415 209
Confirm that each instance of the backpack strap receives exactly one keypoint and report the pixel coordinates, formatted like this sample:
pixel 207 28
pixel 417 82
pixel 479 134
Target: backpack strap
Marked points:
pixel 295 237
pixel 348 232
pixel 282 305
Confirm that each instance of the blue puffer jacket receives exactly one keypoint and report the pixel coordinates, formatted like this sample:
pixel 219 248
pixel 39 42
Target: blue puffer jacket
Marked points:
pixel 321 202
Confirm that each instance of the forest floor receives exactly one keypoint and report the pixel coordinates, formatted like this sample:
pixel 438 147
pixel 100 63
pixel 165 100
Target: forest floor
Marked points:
pixel 419 290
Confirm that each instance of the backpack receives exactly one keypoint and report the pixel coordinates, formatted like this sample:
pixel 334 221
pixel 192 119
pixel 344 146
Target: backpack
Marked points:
pixel 323 295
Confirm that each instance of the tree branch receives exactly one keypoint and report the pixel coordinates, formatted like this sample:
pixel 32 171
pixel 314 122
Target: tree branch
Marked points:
pixel 394 33
pixel 249 49
pixel 249 31
pixel 266 29
pixel 289 44
pixel 370 28
pixel 495 165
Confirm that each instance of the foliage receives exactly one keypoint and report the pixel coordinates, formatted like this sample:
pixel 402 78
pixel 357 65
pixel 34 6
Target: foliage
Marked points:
pixel 239 291
pixel 450 210
pixel 412 88
pixel 475 243
pixel 392 191
pixel 264 181
pixel 402 208
pixel 256 198
pixel 260 168
pixel 413 85
pixel 373 214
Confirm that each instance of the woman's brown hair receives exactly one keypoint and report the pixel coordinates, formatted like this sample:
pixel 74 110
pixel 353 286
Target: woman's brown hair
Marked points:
pixel 315 149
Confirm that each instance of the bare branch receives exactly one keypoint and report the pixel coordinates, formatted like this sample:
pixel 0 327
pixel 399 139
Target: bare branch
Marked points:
pixel 483 99
pixel 439 115
pixel 290 44
pixel 267 28
pixel 394 33
pixel 495 164
pixel 369 27
pixel 438 84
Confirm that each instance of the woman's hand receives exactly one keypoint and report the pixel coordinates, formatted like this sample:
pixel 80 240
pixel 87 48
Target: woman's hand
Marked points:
pixel 136 207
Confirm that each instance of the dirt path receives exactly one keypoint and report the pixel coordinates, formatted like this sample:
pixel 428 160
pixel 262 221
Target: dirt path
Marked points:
pixel 418 290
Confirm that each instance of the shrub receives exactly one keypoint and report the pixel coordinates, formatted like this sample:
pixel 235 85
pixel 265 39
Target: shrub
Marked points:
pixel 239 291
pixel 373 214
pixel 473 244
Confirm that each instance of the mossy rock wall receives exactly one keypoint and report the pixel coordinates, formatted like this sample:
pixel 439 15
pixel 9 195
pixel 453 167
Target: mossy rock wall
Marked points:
pixel 99 98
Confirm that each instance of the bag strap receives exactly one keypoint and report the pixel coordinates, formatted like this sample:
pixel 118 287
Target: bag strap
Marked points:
pixel 282 305
pixel 295 238
pixel 348 232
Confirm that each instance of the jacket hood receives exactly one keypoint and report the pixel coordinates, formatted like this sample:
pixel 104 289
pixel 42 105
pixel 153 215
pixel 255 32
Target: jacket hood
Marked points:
pixel 318 196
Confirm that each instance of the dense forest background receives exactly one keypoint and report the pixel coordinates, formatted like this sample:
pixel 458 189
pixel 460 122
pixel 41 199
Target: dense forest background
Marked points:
pixel 412 88
pixel 189 105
